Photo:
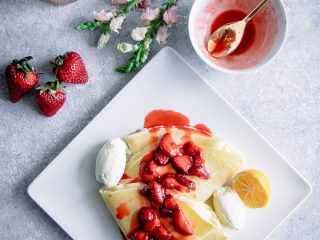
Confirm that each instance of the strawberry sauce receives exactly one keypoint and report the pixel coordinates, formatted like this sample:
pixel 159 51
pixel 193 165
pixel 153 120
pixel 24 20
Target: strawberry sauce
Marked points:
pixel 165 170
pixel 203 128
pixel 185 159
pixel 123 211
pixel 165 118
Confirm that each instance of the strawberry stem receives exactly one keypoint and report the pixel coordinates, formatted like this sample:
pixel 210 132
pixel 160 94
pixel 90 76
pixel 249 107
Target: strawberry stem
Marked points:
pixel 23 65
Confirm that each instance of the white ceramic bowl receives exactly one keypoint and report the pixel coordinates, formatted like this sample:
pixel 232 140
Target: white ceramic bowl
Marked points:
pixel 266 45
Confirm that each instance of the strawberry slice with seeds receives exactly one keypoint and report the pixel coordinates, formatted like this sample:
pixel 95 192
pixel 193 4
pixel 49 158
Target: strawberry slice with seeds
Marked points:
pixel 198 160
pixel 147 214
pixel 168 146
pixel 149 218
pixel 181 223
pixel 147 172
pixel 182 163
pixel 151 166
pixel 170 203
pixel 165 212
pixel 149 177
pixel 151 225
pixel 185 182
pixel 157 192
pixel 139 235
pixel 170 182
pixel 200 171
pixel 160 158
pixel 192 149
pixel 161 233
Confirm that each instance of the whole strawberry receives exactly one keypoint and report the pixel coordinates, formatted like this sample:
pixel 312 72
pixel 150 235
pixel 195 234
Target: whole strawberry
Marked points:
pixel 70 68
pixel 50 98
pixel 21 78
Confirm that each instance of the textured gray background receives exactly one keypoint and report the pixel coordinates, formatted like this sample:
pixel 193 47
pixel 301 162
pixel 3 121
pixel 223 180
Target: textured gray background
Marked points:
pixel 281 101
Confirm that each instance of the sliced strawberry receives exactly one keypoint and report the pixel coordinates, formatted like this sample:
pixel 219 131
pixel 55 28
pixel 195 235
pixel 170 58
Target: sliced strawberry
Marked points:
pixel 139 235
pixel 170 182
pixel 168 146
pixel 146 175
pixel 181 223
pixel 151 166
pixel 157 192
pixel 149 177
pixel 147 214
pixel 151 225
pixel 192 149
pixel 161 233
pixel 200 171
pixel 182 163
pixel 185 182
pixel 198 160
pixel 165 212
pixel 170 203
pixel 160 158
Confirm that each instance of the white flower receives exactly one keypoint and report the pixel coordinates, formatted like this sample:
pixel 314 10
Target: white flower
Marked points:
pixel 103 40
pixel 139 33
pixel 119 2
pixel 116 23
pixel 103 15
pixel 162 34
pixel 126 47
pixel 171 16
pixel 150 14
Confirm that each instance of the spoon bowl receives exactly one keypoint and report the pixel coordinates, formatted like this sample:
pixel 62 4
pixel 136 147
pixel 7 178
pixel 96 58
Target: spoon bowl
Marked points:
pixel 226 39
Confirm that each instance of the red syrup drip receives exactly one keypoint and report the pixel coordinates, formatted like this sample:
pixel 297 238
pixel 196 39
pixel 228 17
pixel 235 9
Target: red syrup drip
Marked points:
pixel 165 118
pixel 123 211
pixel 186 159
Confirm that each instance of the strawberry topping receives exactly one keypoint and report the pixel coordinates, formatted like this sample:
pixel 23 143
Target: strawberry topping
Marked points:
pixel 200 171
pixel 187 160
pixel 170 203
pixel 185 182
pixel 139 235
pixel 161 233
pixel 169 181
pixel 192 149
pixel 169 147
pixel 181 223
pixel 182 163
pixel 160 158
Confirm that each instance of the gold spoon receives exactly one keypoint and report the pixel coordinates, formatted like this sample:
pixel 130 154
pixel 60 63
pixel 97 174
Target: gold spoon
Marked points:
pixel 227 38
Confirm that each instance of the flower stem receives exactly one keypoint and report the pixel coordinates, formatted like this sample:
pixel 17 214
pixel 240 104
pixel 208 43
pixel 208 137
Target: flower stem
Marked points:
pixel 96 24
pixel 140 55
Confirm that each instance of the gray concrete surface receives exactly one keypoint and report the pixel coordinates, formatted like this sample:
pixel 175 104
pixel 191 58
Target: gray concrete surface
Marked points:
pixel 281 101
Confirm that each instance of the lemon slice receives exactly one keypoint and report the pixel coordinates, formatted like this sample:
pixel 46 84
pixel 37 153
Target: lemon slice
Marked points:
pixel 253 187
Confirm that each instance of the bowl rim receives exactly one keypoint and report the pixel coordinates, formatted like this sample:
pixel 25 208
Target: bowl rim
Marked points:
pixel 236 71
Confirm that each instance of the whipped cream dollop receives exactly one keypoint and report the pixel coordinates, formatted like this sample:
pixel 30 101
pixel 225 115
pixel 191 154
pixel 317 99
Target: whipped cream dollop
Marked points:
pixel 111 162
pixel 229 208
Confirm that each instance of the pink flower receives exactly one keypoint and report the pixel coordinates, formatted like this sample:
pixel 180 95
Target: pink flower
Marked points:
pixel 116 23
pixel 139 33
pixel 119 2
pixel 150 14
pixel 162 34
pixel 143 4
pixel 171 16
pixel 103 15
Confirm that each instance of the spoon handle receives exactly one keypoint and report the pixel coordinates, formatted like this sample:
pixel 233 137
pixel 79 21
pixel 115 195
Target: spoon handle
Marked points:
pixel 255 11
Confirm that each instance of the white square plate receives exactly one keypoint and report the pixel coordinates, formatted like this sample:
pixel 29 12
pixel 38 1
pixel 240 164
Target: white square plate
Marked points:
pixel 67 189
